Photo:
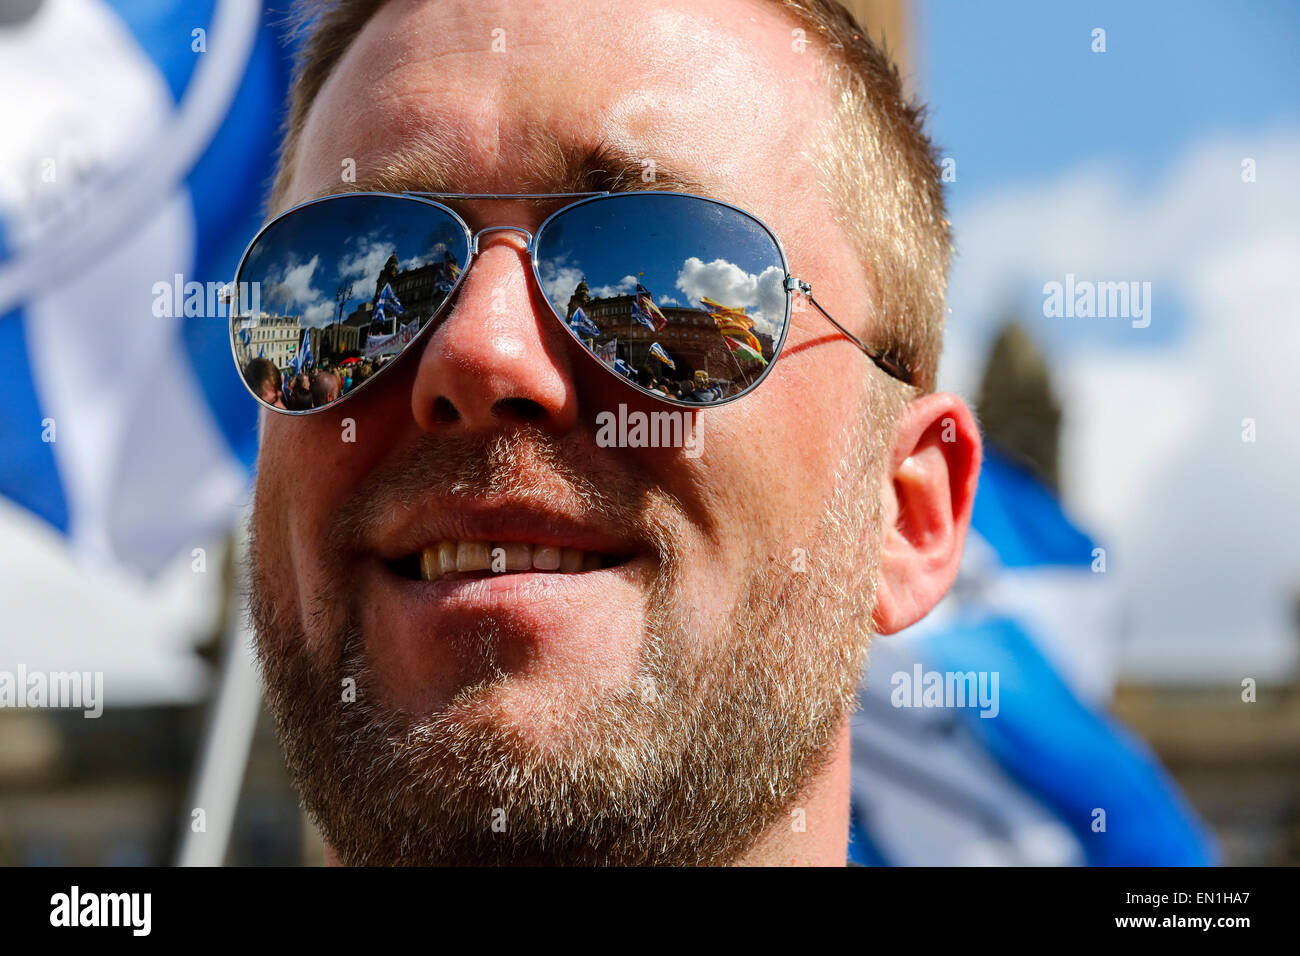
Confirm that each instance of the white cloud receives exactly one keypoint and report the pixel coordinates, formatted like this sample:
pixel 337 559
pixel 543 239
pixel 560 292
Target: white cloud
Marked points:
pixel 293 286
pixel 367 260
pixel 1203 533
pixel 290 292
pixel 725 282
pixel 624 286
pixel 558 282
pixel 317 315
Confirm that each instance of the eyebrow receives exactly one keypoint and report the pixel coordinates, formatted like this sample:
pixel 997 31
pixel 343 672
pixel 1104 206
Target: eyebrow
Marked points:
pixel 435 165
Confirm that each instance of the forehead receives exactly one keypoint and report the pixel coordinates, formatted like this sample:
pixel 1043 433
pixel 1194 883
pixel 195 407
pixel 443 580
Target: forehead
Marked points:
pixel 715 93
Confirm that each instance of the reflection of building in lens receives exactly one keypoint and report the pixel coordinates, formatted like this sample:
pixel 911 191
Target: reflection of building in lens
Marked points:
pixel 335 342
pixel 273 337
pixel 419 290
pixel 691 338
pixel 359 325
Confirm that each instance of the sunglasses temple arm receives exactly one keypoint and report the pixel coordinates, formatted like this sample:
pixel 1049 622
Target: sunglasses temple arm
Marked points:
pixel 883 362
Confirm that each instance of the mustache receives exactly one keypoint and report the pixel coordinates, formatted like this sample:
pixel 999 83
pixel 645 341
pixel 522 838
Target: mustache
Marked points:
pixel 525 465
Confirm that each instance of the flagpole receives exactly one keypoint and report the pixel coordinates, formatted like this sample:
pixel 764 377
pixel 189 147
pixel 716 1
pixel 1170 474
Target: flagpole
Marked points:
pixel 228 736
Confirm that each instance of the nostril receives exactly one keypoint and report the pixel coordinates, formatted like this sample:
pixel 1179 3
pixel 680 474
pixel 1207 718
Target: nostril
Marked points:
pixel 520 409
pixel 444 412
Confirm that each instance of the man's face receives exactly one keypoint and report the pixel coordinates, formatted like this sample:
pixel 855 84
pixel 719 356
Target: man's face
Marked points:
pixel 666 706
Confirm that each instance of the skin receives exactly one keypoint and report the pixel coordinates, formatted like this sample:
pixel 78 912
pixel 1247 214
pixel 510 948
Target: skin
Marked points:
pixel 501 358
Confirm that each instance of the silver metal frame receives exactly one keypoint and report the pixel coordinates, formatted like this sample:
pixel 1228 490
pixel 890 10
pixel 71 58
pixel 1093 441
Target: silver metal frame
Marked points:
pixel 790 283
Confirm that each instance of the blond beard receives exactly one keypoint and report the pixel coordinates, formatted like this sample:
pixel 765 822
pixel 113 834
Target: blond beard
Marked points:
pixel 688 762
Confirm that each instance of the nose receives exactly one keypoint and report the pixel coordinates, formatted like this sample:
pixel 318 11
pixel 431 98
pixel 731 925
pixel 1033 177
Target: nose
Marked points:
pixel 498 358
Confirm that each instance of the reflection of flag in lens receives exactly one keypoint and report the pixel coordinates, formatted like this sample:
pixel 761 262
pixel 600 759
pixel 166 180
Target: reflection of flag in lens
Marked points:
pixel 745 350
pixel 581 324
pixel 304 354
pixel 735 327
pixel 387 302
pixel 658 352
pixel 608 352
pixel 624 369
pixel 729 312
pixel 646 312
pixel 448 273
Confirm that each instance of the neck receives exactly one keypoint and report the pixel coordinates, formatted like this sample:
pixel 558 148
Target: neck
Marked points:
pixel 819 836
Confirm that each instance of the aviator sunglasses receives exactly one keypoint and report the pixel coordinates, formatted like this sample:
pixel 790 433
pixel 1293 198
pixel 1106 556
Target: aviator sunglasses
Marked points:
pixel 684 298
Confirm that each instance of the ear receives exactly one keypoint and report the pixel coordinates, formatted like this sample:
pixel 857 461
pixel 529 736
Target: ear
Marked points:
pixel 927 498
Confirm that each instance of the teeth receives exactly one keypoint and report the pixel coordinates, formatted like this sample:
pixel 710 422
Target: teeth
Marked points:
pixel 472 556
pixel 429 564
pixel 449 556
pixel 519 557
pixel 446 558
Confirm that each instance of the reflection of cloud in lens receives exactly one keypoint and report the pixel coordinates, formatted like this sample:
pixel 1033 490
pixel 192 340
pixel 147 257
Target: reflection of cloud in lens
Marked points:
pixel 290 287
pixel 322 313
pixel 559 280
pixel 289 291
pixel 624 286
pixel 366 260
pixel 435 254
pixel 762 296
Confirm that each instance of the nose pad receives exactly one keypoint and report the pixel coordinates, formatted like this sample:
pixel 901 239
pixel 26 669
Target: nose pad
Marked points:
pixel 528 236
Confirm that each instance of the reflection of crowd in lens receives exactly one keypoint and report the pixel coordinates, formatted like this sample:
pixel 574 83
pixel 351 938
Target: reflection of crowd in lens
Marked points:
pixel 698 388
pixel 310 388
pixel 318 387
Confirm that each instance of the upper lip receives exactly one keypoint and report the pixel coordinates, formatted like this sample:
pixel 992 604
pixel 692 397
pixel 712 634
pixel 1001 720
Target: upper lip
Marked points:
pixel 499 521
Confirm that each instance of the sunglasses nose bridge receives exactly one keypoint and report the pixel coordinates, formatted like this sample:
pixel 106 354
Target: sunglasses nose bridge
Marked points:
pixel 474 242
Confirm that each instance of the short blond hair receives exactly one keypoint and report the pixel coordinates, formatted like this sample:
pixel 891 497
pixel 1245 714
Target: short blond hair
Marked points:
pixel 875 162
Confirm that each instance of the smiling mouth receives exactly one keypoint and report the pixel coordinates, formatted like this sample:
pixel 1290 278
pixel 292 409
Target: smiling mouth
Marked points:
pixel 456 560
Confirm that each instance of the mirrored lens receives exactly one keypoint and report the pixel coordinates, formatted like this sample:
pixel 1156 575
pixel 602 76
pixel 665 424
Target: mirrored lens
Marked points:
pixel 332 292
pixel 681 295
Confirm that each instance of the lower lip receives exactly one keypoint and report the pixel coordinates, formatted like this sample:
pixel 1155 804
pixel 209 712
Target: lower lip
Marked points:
pixel 538 597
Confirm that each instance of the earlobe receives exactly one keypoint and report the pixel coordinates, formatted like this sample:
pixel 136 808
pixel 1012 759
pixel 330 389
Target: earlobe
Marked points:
pixel 927 499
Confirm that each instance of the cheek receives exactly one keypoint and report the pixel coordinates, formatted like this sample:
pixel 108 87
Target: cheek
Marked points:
pixel 306 469
pixel 764 479
pixel 779 455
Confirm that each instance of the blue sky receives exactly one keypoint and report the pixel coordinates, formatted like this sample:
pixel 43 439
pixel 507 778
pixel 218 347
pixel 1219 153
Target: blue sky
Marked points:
pixel 1170 74
pixel 1127 166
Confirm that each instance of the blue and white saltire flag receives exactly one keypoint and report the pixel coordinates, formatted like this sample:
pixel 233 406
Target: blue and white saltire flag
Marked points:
pixel 386 303
pixel 658 352
pixel 303 358
pixel 640 315
pixel 646 312
pixel 582 324
pixel 137 151
pixel 983 739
